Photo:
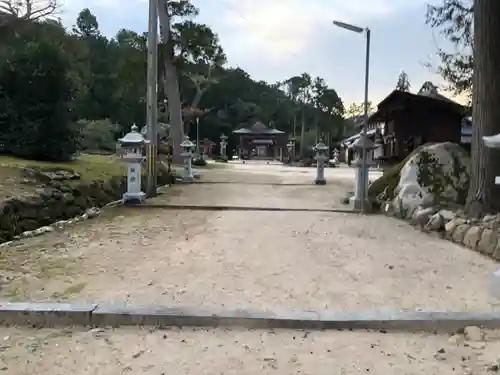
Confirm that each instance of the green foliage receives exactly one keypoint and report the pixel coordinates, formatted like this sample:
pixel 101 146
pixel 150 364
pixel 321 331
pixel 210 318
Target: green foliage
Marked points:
pixel 403 83
pixel 454 20
pixel 98 135
pixel 34 98
pixel 51 77
pixel 431 174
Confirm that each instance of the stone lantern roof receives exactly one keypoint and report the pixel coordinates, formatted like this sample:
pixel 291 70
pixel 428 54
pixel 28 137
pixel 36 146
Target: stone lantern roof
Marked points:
pixel 133 137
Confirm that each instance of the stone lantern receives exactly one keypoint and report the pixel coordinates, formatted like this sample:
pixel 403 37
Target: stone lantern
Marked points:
pixel 360 199
pixel 321 151
pixel 335 156
pixel 187 154
pixel 290 146
pixel 132 148
pixel 223 146
pixel 378 151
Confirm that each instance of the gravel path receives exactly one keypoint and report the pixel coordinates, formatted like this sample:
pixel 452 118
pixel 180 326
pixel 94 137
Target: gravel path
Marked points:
pixel 246 259
pixel 201 351
pixel 249 259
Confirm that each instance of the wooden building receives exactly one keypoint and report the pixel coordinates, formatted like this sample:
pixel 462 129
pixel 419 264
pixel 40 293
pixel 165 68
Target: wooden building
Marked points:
pixel 404 121
pixel 260 142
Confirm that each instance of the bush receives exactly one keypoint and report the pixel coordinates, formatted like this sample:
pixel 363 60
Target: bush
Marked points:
pixel 199 162
pixel 99 135
pixel 34 103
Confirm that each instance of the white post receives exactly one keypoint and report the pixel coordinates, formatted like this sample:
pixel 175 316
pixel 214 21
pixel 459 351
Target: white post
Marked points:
pixel 133 179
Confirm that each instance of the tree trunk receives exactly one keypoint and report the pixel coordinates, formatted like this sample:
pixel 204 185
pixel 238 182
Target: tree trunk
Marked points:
pixel 197 97
pixel 484 195
pixel 194 105
pixel 171 85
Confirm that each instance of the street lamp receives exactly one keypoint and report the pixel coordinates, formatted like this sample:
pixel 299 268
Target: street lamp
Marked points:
pixel 361 198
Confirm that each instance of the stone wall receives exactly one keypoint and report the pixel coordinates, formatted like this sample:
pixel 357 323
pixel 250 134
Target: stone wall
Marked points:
pixel 481 235
pixel 59 196
pixel 428 189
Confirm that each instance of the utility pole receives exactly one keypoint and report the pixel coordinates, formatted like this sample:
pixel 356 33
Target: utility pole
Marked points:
pixel 152 97
pixel 302 133
pixel 198 136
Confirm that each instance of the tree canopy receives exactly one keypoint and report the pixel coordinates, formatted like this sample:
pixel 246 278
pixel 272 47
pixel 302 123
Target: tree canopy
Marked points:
pixel 103 80
pixel 403 83
pixel 454 19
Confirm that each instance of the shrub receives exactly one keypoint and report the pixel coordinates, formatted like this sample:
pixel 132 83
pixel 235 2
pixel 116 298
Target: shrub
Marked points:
pixel 34 103
pixel 99 135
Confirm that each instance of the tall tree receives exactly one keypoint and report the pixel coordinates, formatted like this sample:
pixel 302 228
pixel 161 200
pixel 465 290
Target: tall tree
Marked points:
pixel 484 195
pixel 96 66
pixel 454 20
pixel 33 10
pixel 403 83
pixel 183 41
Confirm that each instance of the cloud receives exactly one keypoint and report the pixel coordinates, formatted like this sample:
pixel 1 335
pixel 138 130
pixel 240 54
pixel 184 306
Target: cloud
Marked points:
pixel 280 29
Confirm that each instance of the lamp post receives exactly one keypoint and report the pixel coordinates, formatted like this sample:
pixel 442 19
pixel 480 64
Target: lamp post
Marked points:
pixel 362 177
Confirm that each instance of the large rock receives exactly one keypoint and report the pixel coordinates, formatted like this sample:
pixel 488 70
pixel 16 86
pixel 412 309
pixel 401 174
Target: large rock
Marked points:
pixel 432 174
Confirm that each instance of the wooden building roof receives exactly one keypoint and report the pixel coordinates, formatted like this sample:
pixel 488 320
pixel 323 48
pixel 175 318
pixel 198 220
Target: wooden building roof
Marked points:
pixel 423 100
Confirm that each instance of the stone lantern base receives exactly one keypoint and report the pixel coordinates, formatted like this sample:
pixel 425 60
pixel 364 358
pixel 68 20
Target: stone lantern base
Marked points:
pixel 134 198
pixel 320 181
pixel 355 204
pixel 187 179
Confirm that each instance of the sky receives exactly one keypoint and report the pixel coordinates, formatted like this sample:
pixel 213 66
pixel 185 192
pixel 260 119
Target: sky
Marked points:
pixel 275 39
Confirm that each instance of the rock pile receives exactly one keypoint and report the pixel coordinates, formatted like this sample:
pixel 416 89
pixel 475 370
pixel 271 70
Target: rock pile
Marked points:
pixel 428 189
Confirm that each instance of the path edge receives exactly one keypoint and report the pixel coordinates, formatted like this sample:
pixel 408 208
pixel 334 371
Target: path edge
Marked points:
pixel 64 314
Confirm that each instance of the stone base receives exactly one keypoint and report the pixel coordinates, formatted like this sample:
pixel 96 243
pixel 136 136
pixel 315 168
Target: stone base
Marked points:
pixel 134 198
pixel 187 179
pixel 320 182
pixel 355 204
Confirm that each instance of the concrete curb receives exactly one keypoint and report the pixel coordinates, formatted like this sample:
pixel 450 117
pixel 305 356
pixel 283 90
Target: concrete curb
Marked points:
pixel 62 314
pixel 206 182
pixel 170 206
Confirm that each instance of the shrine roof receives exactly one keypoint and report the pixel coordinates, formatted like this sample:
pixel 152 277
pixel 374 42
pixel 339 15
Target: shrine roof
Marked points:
pixel 258 129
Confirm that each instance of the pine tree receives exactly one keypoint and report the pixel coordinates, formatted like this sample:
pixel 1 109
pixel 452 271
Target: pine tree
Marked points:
pixel 403 83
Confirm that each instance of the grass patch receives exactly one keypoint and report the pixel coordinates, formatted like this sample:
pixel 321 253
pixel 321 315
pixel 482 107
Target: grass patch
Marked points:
pixel 90 167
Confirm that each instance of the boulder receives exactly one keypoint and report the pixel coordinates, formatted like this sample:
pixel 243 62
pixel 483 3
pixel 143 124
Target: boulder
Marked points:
pixel 433 174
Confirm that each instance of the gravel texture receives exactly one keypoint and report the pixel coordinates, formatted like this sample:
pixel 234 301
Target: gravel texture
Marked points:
pixel 246 259
pixel 249 259
pixel 190 351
